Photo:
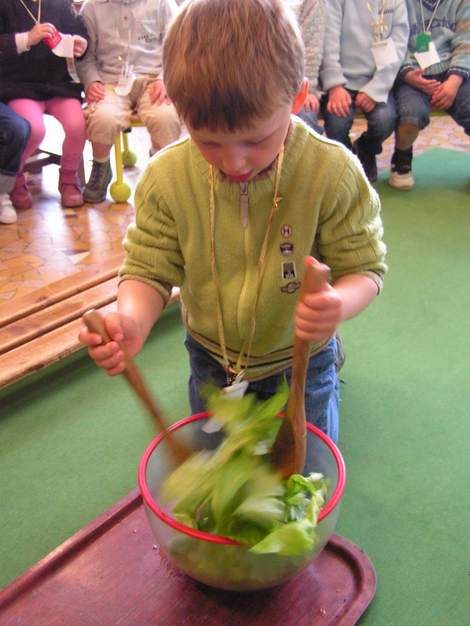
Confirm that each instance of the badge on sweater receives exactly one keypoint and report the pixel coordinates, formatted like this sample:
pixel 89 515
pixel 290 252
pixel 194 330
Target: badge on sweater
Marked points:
pixel 384 53
pixel 288 270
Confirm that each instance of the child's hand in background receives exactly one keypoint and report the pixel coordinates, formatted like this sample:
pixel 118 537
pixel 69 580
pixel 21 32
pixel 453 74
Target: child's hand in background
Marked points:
pixel 157 93
pixel 39 32
pixel 339 101
pixel 80 44
pixel 416 79
pixel 443 97
pixel 365 102
pixel 124 333
pixel 312 103
pixel 94 92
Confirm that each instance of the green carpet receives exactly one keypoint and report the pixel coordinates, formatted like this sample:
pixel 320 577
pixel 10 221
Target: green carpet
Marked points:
pixel 70 438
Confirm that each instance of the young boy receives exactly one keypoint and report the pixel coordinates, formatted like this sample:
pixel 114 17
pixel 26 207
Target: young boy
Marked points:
pixel 434 75
pixel 365 43
pixel 230 212
pixel 122 73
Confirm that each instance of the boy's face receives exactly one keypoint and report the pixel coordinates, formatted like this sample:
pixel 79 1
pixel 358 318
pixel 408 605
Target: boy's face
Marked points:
pixel 244 153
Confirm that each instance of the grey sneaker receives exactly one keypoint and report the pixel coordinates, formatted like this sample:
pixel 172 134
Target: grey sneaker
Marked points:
pixel 97 185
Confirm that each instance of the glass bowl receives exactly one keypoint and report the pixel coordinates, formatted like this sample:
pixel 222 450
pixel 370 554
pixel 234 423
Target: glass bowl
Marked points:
pixel 219 561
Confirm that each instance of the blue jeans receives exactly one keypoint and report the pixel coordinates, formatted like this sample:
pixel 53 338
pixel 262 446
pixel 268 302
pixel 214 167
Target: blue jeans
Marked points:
pixel 310 118
pixel 380 123
pixel 321 386
pixel 413 106
pixel 14 135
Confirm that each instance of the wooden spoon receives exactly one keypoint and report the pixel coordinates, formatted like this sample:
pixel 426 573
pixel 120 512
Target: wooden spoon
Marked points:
pixel 289 449
pixel 95 324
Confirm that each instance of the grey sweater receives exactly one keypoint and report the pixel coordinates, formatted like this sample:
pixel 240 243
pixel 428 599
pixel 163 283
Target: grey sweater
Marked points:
pixel 124 30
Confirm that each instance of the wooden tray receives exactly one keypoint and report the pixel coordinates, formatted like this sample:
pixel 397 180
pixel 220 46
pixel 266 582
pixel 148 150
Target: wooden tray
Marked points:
pixel 111 573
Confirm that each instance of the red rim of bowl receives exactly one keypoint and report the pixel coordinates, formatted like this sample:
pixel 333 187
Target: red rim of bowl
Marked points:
pixel 199 534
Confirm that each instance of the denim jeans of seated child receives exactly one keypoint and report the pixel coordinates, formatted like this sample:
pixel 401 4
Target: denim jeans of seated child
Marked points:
pixel 380 123
pixel 14 134
pixel 321 388
pixel 414 106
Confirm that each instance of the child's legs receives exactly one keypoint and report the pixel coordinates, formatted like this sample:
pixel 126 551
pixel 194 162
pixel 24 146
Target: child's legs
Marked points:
pixel 68 111
pixel 381 123
pixel 162 121
pixel 14 134
pixel 460 110
pixel 338 127
pixel 413 107
pixel 33 111
pixel 105 119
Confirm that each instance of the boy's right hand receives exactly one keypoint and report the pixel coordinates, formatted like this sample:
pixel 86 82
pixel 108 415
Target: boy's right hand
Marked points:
pixel 339 101
pixel 416 79
pixel 125 335
pixel 94 92
pixel 40 32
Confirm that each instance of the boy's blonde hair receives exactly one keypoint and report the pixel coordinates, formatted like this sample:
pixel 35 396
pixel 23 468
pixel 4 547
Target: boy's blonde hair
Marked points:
pixel 228 62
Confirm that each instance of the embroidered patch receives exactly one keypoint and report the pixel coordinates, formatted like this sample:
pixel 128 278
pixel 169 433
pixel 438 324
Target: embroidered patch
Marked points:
pixel 286 248
pixel 290 287
pixel 288 270
pixel 286 231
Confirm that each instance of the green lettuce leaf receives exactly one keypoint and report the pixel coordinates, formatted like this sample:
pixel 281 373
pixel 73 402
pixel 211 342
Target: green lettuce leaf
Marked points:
pixel 235 491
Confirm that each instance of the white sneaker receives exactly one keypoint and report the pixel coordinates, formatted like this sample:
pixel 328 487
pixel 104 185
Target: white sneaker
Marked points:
pixel 403 182
pixel 7 212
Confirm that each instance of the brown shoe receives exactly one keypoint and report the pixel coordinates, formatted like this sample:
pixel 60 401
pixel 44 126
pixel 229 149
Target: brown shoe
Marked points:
pixel 70 191
pixel 20 197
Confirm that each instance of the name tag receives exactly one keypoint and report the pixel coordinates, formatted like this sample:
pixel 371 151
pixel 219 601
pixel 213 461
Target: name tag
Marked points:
pixel 428 58
pixel 384 53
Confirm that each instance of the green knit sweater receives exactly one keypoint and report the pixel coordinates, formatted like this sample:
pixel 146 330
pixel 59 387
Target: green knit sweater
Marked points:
pixel 328 209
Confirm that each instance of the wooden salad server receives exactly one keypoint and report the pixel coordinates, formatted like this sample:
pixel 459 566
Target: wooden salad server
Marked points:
pixel 289 448
pixel 95 324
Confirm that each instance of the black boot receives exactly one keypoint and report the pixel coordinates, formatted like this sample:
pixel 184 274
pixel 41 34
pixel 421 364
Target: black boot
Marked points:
pixel 366 157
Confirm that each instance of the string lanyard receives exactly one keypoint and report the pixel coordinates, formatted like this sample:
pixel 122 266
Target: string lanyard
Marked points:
pixel 235 374
pixel 427 29
pixel 378 25
pixel 423 39
pixel 35 20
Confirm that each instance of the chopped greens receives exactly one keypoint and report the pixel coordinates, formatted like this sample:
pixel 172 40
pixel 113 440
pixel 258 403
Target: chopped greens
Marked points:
pixel 235 491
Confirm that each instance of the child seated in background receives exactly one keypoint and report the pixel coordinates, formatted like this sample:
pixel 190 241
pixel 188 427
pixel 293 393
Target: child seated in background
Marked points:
pixel 435 75
pixel 37 81
pixel 121 74
pixel 365 43
pixel 311 17
pixel 14 134
pixel 230 212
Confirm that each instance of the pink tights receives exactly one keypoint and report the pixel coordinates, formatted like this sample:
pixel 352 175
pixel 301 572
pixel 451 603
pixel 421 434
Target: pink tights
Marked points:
pixel 68 112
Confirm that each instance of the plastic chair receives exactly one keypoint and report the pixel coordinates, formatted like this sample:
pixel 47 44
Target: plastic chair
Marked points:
pixel 124 157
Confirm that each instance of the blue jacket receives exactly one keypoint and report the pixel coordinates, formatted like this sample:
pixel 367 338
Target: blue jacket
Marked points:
pixel 450 32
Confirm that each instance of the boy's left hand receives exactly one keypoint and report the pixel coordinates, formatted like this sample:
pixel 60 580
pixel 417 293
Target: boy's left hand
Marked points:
pixel 80 44
pixel 444 96
pixel 364 102
pixel 318 314
pixel 157 93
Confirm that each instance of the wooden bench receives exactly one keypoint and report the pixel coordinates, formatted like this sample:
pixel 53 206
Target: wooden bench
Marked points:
pixel 42 327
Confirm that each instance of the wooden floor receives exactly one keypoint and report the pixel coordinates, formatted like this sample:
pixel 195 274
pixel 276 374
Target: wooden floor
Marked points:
pixel 55 262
